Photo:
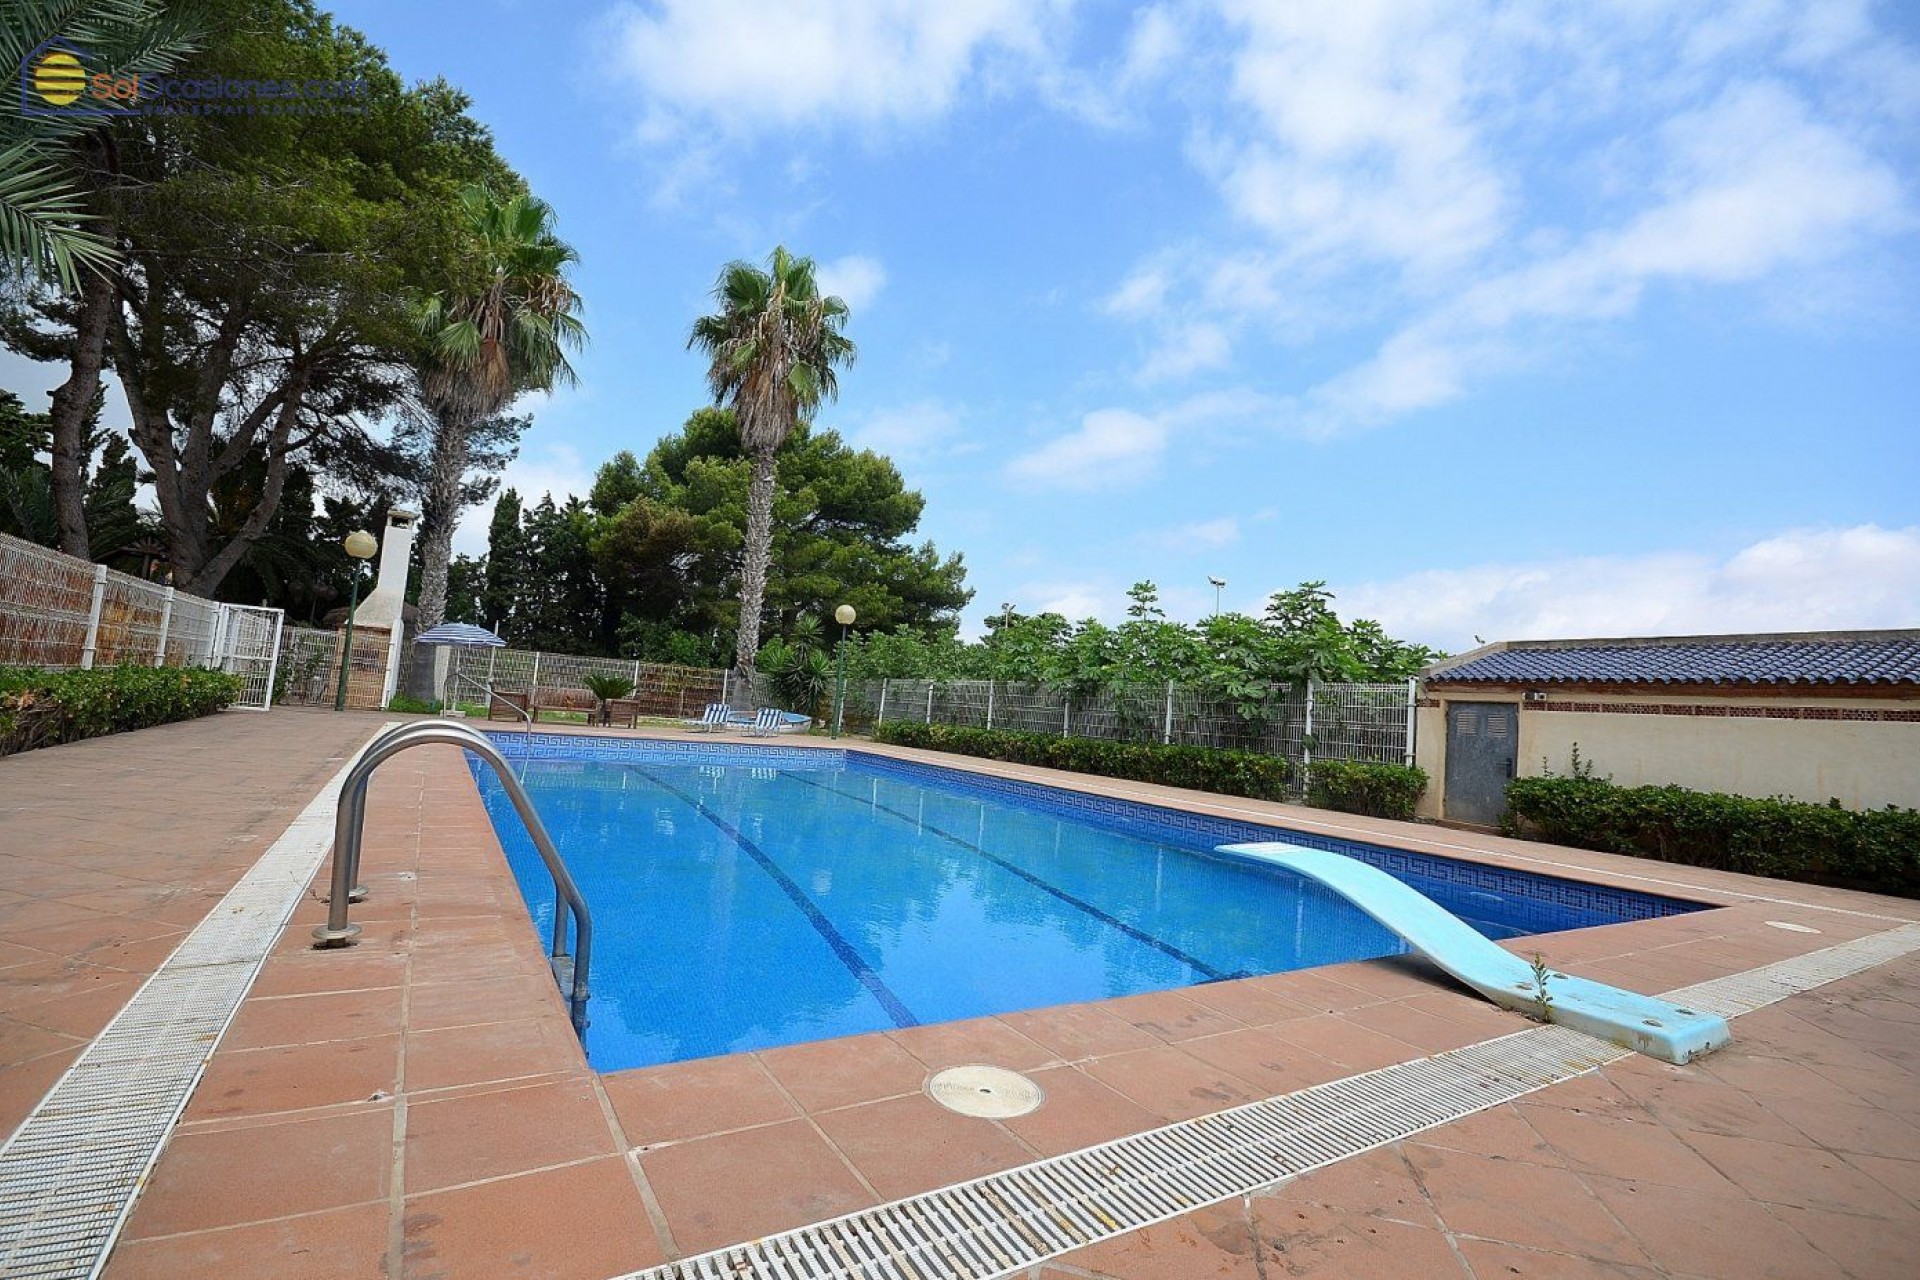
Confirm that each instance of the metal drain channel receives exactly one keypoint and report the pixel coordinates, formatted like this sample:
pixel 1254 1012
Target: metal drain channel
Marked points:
pixel 1005 1222
pixel 70 1172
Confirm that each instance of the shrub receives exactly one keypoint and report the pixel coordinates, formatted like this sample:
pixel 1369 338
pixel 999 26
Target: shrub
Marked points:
pixel 44 708
pixel 410 705
pixel 1377 790
pixel 1234 773
pixel 1877 850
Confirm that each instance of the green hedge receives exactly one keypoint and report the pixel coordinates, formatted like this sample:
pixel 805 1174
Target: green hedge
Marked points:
pixel 44 708
pixel 1876 850
pixel 1377 790
pixel 1233 773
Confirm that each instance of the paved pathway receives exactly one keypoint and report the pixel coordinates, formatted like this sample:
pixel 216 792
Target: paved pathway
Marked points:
pixel 416 1108
pixel 113 848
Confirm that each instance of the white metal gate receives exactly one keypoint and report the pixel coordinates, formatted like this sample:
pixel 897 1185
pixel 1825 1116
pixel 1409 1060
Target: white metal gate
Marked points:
pixel 249 647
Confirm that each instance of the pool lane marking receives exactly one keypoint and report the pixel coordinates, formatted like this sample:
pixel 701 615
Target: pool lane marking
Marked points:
pixel 1114 922
pixel 852 959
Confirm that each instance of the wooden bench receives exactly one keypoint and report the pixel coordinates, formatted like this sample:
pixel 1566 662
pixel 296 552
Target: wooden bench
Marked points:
pixel 507 704
pixel 553 699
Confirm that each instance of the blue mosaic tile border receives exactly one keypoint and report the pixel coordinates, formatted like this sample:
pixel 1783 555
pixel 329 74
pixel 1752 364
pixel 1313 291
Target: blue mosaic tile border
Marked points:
pixel 519 745
pixel 1200 832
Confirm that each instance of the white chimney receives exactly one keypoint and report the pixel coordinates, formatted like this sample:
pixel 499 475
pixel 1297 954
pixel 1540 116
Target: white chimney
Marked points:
pixel 382 607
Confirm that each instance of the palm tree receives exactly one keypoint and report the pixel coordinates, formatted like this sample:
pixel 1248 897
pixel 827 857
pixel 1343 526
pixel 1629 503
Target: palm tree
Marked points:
pixel 505 330
pixel 48 233
pixel 773 349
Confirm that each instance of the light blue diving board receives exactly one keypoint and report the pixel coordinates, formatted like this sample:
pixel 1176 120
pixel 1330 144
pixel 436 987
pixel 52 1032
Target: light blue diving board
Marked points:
pixel 1654 1027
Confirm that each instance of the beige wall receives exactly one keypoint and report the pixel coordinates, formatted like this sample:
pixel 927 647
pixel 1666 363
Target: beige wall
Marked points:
pixel 1862 763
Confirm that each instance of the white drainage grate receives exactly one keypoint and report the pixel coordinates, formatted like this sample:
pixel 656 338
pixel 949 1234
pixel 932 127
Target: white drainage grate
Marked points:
pixel 1001 1224
pixel 69 1174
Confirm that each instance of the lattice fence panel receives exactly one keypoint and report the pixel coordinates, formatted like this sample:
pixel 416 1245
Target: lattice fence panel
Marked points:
pixel 45 601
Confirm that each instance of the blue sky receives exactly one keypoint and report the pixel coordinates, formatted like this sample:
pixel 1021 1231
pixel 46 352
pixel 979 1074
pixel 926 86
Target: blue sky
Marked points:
pixel 1504 320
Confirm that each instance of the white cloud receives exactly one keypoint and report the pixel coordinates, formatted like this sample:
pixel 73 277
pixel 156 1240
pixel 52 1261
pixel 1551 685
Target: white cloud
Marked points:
pixel 1140 295
pixel 1798 580
pixel 911 434
pixel 1367 144
pixel 856 279
pixel 747 65
pixel 1113 448
pixel 1185 350
pixel 1071 600
pixel 549 469
pixel 1201 535
pixel 1481 182
pixel 1110 448
pixel 1753 186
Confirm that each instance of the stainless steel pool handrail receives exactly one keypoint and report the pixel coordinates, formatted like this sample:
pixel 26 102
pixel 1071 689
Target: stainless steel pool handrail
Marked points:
pixel 494 695
pixel 350 818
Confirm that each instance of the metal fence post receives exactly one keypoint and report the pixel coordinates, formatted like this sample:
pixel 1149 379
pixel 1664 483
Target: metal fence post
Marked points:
pixel 1306 737
pixel 1066 714
pixel 989 702
pixel 881 715
pixel 216 637
pixel 1413 686
pixel 1166 732
pixel 929 702
pixel 93 616
pixel 533 686
pixel 726 684
pixel 636 675
pixel 166 621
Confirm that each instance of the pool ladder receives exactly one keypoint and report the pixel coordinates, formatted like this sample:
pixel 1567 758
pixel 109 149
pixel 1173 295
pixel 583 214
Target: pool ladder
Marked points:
pixel 569 969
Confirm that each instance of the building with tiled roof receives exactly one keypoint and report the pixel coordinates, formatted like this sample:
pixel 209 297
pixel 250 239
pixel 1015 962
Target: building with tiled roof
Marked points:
pixel 1812 715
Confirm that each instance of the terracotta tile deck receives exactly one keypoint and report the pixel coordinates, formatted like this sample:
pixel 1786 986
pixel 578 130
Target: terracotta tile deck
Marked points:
pixel 417 1107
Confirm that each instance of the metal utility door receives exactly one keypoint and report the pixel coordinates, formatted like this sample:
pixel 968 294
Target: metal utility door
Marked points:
pixel 1482 745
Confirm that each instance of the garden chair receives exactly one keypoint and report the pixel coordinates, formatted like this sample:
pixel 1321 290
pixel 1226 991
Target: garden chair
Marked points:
pixel 712 720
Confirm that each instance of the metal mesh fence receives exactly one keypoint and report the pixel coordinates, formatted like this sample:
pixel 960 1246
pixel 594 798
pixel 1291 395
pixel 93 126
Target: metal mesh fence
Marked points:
pixel 1358 722
pixel 57 611
pixel 558 681
pixel 309 667
pixel 1365 722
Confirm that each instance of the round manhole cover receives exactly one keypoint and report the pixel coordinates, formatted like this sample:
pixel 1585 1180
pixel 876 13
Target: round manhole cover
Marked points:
pixel 993 1093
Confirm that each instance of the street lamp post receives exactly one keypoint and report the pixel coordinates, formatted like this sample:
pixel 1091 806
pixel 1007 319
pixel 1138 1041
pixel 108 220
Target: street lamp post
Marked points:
pixel 1219 585
pixel 360 545
pixel 844 615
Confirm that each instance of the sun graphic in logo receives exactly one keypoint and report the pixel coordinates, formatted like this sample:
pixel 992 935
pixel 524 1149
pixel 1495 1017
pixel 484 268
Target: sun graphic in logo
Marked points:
pixel 59 78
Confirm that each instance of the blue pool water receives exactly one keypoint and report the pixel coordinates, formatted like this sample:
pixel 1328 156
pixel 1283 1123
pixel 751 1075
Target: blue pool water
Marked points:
pixel 751 897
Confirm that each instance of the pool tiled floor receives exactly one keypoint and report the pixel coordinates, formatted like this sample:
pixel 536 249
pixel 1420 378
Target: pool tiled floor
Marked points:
pixel 417 1107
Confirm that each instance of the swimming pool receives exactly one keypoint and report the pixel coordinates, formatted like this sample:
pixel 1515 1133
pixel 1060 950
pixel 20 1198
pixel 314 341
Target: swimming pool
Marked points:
pixel 747 897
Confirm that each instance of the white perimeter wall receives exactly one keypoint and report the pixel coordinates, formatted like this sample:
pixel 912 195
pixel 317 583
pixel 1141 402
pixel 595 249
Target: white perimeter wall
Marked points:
pixel 1862 763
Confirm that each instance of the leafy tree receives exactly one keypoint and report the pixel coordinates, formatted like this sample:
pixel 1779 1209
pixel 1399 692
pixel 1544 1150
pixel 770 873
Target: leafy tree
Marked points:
pixel 1230 657
pixel 465 578
pixel 256 317
pixel 839 533
pixel 506 562
pixel 774 350
pixel 561 589
pixel 501 326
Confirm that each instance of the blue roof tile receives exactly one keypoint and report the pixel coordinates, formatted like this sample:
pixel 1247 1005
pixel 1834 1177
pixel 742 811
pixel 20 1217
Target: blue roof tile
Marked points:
pixel 1892 660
